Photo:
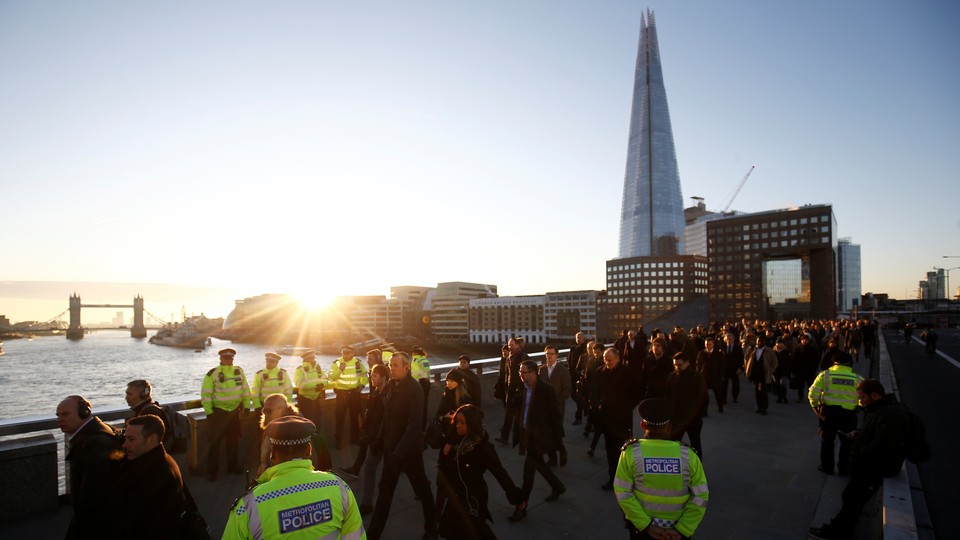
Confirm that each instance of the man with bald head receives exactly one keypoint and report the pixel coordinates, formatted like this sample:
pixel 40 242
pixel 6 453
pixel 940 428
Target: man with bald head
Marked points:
pixel 92 455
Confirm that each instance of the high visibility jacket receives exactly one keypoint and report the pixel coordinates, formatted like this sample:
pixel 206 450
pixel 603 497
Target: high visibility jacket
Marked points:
pixel 225 388
pixel 420 367
pixel 271 381
pixel 352 376
pixel 835 386
pixel 661 483
pixel 307 376
pixel 292 501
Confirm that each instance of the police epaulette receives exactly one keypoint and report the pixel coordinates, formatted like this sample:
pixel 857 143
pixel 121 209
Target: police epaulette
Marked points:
pixel 236 371
pixel 628 443
pixel 239 498
pixel 210 373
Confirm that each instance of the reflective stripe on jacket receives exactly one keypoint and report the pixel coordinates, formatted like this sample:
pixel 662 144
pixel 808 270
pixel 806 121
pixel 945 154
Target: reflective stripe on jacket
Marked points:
pixel 306 377
pixel 835 386
pixel 352 376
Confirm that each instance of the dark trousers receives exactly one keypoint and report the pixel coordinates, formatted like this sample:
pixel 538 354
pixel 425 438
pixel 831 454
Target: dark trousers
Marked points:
pixel 311 409
pixel 858 491
pixel 692 430
pixel 348 404
pixel 836 420
pixel 734 382
pixel 719 393
pixel 613 439
pixel 509 414
pixel 425 385
pixel 223 427
pixel 534 463
pixel 413 468
pixel 763 400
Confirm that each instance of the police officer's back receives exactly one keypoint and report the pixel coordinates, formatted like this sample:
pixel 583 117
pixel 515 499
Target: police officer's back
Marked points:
pixel 291 500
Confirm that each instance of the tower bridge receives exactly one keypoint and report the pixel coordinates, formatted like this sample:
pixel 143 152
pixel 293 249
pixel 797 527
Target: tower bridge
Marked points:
pixel 76 330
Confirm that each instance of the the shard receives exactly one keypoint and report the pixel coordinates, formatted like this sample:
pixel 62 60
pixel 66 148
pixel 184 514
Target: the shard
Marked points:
pixel 651 219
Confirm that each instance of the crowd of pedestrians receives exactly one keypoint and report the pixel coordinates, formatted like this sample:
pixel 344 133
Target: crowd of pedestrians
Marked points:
pixel 658 481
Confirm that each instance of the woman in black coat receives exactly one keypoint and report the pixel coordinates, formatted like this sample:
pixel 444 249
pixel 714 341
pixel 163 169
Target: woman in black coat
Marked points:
pixel 461 489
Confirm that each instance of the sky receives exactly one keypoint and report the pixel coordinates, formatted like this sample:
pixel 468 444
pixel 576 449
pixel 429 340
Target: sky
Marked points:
pixel 322 148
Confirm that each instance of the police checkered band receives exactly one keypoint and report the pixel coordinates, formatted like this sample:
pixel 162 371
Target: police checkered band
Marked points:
pixel 656 424
pixel 663 523
pixel 296 489
pixel 289 442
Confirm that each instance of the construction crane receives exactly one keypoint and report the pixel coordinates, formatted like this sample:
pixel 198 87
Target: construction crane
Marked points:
pixel 737 191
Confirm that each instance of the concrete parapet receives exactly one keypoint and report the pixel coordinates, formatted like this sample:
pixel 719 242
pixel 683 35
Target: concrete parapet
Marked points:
pixel 29 470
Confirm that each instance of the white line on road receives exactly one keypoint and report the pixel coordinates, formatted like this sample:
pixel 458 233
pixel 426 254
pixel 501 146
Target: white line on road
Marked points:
pixel 948 359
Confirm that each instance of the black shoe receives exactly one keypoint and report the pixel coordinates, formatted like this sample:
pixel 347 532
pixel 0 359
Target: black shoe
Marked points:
pixel 552 462
pixel 586 434
pixel 577 422
pixel 828 472
pixel 608 486
pixel 556 493
pixel 590 452
pixel 763 412
pixel 517 515
pixel 563 457
pixel 758 411
pixel 502 440
pixel 721 409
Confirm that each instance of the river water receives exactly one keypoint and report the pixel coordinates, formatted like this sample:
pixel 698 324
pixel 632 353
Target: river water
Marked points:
pixel 37 373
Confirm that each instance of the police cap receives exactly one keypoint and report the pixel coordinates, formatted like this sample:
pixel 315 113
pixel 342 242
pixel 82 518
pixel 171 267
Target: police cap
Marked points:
pixel 309 355
pixel 655 411
pixel 347 348
pixel 272 356
pixel 290 430
pixel 227 352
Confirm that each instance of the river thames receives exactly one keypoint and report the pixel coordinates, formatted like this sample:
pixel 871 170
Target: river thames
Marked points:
pixel 37 373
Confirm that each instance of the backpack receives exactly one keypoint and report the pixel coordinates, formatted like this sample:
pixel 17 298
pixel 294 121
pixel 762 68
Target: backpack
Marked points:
pixel 918 448
pixel 177 437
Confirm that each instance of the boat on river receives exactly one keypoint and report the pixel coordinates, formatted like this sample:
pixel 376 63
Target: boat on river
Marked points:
pixel 1 349
pixel 192 333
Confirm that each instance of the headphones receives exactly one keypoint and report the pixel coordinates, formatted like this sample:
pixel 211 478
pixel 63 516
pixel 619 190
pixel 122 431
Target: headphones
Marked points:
pixel 83 407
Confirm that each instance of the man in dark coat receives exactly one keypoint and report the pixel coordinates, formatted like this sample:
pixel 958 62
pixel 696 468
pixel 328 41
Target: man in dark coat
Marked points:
pixel 401 441
pixel 93 455
pixel 150 487
pixel 634 351
pixel 617 395
pixel 711 364
pixel 878 452
pixel 558 377
pixel 538 429
pixel 732 366
pixel 578 349
pixel 687 393
pixel 656 369
pixel 471 378
pixel 513 383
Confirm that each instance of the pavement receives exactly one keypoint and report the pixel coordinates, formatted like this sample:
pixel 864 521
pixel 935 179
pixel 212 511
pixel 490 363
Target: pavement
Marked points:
pixel 761 470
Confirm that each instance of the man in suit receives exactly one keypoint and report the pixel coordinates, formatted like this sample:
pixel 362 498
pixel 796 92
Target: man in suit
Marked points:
pixel 94 456
pixel 559 378
pixel 759 365
pixel 538 428
pixel 617 394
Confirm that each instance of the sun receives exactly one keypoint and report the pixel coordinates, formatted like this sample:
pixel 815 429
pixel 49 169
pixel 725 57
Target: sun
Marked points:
pixel 314 298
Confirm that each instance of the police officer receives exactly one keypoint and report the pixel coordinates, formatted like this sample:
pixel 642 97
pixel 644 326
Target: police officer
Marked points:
pixel 225 395
pixel 310 382
pixel 420 371
pixel 833 396
pixel 349 376
pixel 291 500
pixel 271 380
pixel 660 484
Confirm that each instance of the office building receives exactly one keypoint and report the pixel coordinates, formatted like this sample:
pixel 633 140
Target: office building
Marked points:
pixel 848 275
pixel 651 216
pixel 772 265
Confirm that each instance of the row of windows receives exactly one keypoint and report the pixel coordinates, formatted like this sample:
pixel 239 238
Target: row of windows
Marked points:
pixel 651 265
pixel 667 273
pixel 825 218
pixel 767 245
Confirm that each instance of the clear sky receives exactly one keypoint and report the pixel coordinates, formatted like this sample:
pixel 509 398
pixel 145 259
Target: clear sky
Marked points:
pixel 322 148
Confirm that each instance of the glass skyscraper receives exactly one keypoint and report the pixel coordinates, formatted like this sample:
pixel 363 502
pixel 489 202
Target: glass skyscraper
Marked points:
pixel 848 272
pixel 651 218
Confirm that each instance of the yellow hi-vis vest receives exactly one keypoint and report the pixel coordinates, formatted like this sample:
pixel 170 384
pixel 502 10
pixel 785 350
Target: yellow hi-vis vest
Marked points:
pixel 306 377
pixel 420 367
pixel 661 483
pixel 835 386
pixel 271 381
pixel 224 388
pixel 295 502
pixel 352 376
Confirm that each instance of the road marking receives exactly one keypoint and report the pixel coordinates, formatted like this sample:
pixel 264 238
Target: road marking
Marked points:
pixel 948 359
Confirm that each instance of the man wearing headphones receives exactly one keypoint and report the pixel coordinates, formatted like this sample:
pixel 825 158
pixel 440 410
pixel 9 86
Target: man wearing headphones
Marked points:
pixel 140 399
pixel 93 455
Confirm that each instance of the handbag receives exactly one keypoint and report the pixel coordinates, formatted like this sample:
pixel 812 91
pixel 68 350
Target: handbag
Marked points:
pixel 434 435
pixel 192 524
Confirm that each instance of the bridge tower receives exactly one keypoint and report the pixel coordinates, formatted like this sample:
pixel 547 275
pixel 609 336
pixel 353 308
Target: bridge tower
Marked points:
pixel 75 331
pixel 138 330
